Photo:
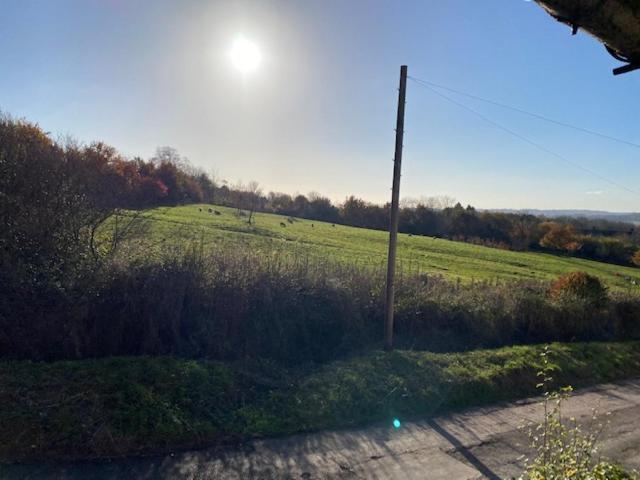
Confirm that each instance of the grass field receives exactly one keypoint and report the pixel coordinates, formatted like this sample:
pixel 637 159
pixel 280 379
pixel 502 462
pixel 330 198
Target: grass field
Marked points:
pixel 167 227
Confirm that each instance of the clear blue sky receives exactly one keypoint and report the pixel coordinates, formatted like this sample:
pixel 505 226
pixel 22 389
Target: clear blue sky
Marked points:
pixel 319 112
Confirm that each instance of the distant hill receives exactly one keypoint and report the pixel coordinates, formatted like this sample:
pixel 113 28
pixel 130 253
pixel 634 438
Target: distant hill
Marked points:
pixel 631 217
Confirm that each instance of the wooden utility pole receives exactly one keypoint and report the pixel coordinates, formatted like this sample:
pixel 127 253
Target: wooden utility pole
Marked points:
pixel 395 200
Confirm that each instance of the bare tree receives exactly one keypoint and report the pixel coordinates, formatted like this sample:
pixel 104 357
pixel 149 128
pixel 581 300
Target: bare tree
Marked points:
pixel 237 196
pixel 439 202
pixel 172 156
pixel 410 202
pixel 254 192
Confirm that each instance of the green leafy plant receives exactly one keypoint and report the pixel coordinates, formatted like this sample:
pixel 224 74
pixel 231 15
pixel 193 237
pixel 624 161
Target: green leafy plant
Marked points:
pixel 564 449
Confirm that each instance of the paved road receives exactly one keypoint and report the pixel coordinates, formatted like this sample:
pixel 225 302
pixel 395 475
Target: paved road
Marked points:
pixel 475 444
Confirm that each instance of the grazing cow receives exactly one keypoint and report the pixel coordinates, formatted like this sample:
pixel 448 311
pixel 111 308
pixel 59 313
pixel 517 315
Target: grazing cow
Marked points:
pixel 282 224
pixel 211 210
pixel 333 224
pixel 217 212
pixel 199 209
pixel 290 220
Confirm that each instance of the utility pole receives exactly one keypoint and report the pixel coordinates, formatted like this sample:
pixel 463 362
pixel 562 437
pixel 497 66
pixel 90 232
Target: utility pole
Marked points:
pixel 395 200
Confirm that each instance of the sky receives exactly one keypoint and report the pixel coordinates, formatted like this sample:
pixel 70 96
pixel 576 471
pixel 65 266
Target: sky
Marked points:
pixel 318 113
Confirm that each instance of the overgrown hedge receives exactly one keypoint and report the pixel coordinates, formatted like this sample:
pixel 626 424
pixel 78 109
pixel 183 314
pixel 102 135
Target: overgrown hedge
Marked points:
pixel 231 306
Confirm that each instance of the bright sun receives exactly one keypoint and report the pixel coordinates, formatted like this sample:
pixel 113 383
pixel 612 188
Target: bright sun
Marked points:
pixel 245 55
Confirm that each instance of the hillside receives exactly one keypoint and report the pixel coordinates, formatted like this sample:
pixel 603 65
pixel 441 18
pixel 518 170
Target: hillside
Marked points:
pixel 167 227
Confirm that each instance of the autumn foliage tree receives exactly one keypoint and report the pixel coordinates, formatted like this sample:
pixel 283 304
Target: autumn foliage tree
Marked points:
pixel 54 197
pixel 45 205
pixel 559 236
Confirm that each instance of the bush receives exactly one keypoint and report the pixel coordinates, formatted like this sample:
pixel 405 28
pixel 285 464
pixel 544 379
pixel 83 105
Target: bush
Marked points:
pixel 627 315
pixel 563 448
pixel 580 286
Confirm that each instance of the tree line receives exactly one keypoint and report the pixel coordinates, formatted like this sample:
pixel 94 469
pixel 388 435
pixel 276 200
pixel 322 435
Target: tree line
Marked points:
pixel 54 196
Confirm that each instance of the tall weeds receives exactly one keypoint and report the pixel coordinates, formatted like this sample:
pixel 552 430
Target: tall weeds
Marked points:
pixel 234 304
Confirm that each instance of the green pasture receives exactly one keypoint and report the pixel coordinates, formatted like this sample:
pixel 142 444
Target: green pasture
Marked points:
pixel 162 229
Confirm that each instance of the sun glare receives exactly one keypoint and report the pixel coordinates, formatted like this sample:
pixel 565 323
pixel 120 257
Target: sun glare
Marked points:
pixel 245 55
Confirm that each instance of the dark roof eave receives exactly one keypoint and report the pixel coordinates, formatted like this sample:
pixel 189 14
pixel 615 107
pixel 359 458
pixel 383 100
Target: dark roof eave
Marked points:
pixel 616 23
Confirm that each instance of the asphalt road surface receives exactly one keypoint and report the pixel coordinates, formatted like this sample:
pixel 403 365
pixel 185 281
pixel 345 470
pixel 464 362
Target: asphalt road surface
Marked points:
pixel 475 444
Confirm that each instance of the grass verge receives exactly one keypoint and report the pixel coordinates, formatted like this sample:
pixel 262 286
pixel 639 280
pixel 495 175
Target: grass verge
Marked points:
pixel 134 405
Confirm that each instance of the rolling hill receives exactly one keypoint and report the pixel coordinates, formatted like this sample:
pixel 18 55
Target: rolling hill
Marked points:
pixel 166 228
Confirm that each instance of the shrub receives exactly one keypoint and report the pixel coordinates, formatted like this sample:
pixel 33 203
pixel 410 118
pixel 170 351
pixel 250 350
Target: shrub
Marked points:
pixel 627 315
pixel 563 448
pixel 580 286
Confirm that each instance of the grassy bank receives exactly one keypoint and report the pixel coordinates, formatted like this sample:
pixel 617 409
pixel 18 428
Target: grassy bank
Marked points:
pixel 131 405
pixel 160 228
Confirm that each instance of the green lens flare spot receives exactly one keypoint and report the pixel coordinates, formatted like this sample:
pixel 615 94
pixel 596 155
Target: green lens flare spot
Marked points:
pixel 396 423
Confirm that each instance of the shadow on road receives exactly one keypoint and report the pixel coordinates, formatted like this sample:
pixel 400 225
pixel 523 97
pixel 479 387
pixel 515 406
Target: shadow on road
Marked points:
pixel 464 451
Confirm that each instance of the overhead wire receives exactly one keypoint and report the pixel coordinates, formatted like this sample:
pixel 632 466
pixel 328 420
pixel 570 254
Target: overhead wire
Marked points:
pixel 524 112
pixel 527 140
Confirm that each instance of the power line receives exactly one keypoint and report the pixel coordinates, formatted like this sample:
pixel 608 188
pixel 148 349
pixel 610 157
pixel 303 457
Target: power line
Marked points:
pixel 525 112
pixel 529 141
